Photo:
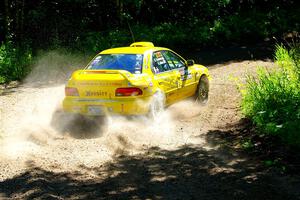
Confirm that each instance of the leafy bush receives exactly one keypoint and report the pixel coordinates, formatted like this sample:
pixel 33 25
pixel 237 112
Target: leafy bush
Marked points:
pixel 14 62
pixel 272 99
pixel 248 26
pixel 165 34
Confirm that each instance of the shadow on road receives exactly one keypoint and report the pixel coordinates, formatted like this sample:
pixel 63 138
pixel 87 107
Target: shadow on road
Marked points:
pixel 189 172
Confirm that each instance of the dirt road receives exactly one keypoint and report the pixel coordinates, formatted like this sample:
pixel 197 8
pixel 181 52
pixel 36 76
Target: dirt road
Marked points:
pixel 181 156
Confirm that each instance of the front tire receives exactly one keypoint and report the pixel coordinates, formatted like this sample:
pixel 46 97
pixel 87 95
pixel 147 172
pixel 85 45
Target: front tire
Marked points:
pixel 201 95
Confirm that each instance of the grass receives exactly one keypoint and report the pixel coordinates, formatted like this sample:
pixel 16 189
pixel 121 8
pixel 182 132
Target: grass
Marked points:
pixel 14 62
pixel 272 98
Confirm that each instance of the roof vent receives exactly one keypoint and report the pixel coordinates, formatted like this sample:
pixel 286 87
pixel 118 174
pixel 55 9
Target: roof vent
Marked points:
pixel 142 44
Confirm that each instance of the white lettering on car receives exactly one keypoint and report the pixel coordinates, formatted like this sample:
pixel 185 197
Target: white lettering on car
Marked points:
pixel 95 93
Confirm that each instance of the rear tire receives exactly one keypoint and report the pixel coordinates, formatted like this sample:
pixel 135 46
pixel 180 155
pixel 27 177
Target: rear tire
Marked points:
pixel 201 95
pixel 156 106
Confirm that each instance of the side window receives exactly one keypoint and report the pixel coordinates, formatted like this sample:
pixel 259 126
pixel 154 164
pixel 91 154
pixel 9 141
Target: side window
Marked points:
pixel 159 63
pixel 173 60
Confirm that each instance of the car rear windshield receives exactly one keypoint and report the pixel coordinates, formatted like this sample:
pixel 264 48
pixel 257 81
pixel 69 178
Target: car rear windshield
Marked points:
pixel 128 62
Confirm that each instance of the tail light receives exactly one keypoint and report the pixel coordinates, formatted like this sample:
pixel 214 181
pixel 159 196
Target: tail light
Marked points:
pixel 70 91
pixel 128 91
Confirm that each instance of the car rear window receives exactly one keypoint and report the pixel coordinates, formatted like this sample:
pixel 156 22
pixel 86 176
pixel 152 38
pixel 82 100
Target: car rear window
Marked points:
pixel 128 62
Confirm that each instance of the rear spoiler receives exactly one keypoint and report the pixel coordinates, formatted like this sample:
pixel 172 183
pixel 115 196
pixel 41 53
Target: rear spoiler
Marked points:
pixel 133 80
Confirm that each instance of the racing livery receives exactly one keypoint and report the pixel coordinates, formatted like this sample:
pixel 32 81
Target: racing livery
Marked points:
pixel 136 80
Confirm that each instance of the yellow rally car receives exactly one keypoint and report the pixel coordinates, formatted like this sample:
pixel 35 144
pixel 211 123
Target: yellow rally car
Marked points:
pixel 136 80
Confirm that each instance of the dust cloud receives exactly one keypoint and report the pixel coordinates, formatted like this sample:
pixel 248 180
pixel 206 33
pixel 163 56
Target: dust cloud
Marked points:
pixel 27 110
pixel 33 126
pixel 54 67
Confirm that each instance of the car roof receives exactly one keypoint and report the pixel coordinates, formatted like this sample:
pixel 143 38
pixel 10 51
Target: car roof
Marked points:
pixel 131 50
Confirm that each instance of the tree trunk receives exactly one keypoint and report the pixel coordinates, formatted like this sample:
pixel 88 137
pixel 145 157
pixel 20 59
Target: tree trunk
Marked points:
pixel 119 4
pixel 7 20
pixel 19 20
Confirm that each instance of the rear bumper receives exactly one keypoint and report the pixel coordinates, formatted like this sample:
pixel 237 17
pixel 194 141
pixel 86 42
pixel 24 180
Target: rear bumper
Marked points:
pixel 94 107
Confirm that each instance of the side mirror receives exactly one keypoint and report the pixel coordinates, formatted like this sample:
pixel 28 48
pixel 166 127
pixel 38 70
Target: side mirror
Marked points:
pixel 190 62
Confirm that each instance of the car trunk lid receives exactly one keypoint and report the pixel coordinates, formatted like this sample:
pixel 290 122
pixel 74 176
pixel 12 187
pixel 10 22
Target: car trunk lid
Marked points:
pixel 102 83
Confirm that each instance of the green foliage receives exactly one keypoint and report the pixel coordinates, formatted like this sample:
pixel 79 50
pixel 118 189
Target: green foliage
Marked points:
pixel 14 62
pixel 95 25
pixel 276 163
pixel 272 99
pixel 98 41
pixel 165 34
pixel 91 26
pixel 250 25
pixel 247 145
pixel 66 22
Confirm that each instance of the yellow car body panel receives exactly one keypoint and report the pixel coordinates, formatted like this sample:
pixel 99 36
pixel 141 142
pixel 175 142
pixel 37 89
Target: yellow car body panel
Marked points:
pixel 96 90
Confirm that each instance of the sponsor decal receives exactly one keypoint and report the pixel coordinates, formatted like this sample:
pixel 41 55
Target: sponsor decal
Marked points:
pixel 158 54
pixel 160 61
pixel 181 71
pixel 95 93
pixel 98 84
pixel 186 75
